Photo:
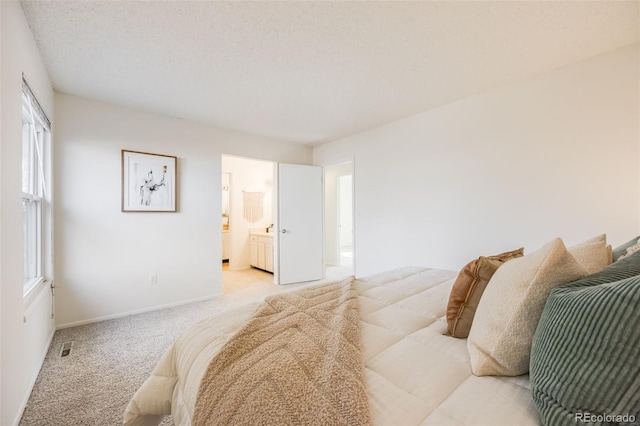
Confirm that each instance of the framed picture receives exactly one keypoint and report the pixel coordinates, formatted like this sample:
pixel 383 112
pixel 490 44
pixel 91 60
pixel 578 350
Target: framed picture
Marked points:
pixel 148 182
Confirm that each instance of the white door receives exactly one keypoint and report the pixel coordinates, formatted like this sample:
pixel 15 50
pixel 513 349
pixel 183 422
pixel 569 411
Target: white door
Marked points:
pixel 299 227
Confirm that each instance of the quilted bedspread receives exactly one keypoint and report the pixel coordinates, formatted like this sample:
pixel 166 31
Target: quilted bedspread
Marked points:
pixel 415 373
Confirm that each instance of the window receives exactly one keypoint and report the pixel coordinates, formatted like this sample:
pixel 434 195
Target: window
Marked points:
pixel 36 200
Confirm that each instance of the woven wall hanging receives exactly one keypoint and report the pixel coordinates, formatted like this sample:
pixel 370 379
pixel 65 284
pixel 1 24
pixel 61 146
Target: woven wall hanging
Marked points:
pixel 253 205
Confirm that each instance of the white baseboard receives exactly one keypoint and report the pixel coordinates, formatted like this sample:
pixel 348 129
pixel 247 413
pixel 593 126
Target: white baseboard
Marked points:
pixel 23 405
pixel 137 311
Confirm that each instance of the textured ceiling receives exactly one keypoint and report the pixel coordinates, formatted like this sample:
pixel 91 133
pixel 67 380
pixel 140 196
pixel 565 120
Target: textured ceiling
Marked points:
pixel 313 71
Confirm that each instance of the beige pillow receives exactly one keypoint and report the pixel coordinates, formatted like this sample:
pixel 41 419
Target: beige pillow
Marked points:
pixel 468 288
pixel 597 238
pixel 591 254
pixel 603 238
pixel 500 339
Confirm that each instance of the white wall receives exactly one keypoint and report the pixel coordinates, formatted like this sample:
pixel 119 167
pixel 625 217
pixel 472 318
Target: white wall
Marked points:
pixel 104 257
pixel 23 343
pixel 555 155
pixel 251 176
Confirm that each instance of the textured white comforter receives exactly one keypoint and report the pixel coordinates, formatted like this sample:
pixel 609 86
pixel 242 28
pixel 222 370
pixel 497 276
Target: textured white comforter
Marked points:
pixel 415 374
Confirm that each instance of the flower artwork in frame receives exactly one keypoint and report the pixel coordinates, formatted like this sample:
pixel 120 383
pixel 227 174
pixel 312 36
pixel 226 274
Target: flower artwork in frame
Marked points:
pixel 148 182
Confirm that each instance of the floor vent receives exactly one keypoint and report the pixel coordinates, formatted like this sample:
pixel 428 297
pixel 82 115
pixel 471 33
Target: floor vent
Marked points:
pixel 66 349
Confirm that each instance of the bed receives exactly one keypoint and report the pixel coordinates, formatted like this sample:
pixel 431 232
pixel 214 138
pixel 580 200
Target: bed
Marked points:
pixel 414 371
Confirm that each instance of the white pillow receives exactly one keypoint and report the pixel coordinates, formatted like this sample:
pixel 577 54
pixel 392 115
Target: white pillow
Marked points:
pixel 597 238
pixel 591 254
pixel 499 342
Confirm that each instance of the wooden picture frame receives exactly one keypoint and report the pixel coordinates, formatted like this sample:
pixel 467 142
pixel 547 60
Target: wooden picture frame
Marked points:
pixel 148 182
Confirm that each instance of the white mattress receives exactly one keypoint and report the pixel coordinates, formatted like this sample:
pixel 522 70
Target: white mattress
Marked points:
pixel 415 374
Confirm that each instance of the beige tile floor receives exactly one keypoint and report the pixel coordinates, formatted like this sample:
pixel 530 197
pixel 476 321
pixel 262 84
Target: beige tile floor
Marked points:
pixel 255 282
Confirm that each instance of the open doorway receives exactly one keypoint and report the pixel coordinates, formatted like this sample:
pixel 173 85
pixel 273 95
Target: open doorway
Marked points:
pixel 345 219
pixel 339 224
pixel 247 223
pixel 273 232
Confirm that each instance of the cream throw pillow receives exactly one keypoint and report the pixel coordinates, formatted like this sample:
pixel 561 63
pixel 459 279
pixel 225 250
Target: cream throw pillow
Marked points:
pixel 598 238
pixel 500 339
pixel 592 254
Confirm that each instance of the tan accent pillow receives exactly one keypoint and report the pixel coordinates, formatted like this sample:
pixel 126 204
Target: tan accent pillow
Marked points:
pixel 591 254
pixel 500 339
pixel 468 288
pixel 609 254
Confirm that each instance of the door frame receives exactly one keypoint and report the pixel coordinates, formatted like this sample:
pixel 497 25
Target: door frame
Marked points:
pixel 333 164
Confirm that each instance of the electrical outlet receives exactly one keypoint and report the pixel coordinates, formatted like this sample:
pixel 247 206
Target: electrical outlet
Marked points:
pixel 153 279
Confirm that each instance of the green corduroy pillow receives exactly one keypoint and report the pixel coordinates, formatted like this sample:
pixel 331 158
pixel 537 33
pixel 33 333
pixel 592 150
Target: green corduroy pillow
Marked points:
pixel 585 355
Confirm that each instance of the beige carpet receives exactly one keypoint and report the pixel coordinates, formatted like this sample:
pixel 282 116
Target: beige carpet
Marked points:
pixel 108 363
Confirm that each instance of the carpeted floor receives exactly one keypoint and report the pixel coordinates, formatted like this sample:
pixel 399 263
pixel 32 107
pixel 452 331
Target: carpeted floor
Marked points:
pixel 111 359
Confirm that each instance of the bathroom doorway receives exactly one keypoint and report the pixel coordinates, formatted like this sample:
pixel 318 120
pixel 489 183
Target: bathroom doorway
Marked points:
pixel 247 220
pixel 262 195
